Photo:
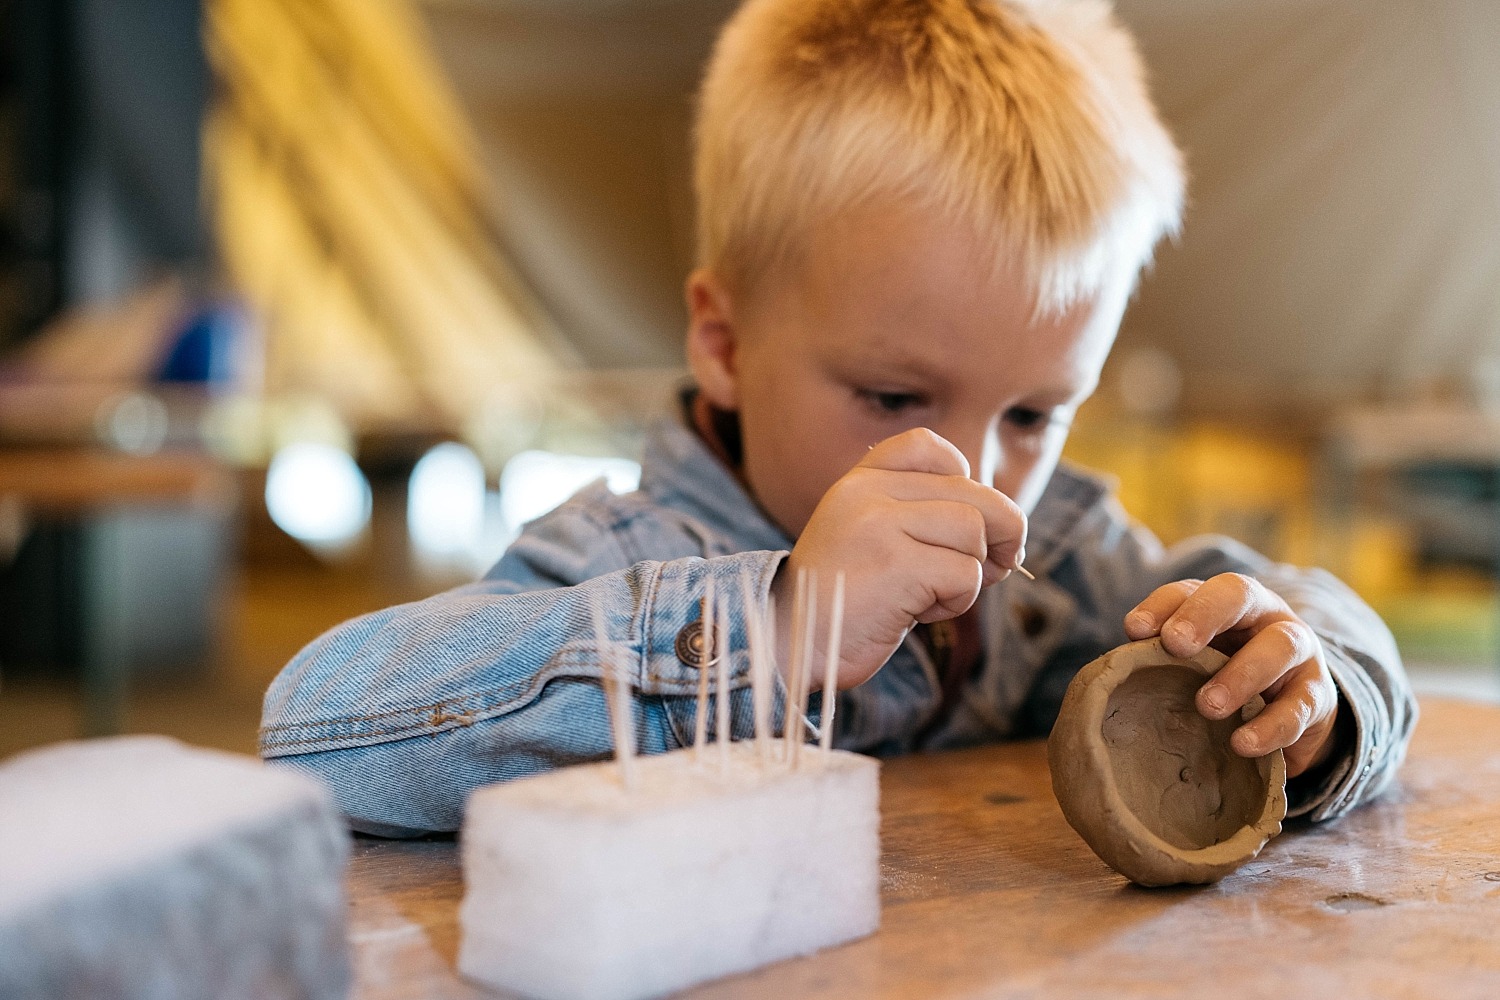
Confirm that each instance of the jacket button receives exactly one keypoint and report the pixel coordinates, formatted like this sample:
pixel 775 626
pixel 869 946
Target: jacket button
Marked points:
pixel 690 645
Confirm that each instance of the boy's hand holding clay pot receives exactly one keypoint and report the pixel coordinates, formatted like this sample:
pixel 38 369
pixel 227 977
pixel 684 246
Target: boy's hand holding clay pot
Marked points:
pixel 1272 653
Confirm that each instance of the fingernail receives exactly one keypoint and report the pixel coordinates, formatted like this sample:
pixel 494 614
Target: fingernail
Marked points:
pixel 1216 698
pixel 1184 631
pixel 1020 556
pixel 1142 619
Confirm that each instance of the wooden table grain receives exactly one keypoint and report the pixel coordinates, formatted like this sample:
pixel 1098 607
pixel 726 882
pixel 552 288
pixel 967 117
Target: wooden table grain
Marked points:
pixel 988 893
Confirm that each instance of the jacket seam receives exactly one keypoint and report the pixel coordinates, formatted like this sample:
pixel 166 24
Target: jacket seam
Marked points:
pixel 489 707
pixel 492 703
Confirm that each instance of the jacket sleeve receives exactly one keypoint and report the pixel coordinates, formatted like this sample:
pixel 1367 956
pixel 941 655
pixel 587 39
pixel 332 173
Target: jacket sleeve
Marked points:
pixel 1115 564
pixel 405 711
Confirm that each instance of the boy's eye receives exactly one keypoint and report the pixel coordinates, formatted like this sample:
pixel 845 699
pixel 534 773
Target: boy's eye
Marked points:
pixel 889 402
pixel 1027 419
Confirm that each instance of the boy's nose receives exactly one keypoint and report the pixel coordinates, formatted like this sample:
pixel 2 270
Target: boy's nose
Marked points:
pixel 988 465
pixel 981 447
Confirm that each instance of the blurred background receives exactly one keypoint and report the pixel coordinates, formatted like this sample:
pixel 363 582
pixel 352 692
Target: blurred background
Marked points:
pixel 306 305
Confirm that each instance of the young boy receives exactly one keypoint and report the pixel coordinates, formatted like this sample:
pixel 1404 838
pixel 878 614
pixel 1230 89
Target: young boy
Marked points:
pixel 919 224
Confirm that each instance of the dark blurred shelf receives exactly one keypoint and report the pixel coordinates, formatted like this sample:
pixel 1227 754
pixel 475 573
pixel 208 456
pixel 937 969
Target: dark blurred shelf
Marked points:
pixel 120 570
pixel 75 480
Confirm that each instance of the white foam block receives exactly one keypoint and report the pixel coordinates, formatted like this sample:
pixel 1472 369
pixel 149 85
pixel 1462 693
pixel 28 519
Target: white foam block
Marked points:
pixel 576 887
pixel 139 867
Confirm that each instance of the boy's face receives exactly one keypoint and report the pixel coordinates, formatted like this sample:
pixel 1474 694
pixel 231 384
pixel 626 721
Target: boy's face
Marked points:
pixel 893 321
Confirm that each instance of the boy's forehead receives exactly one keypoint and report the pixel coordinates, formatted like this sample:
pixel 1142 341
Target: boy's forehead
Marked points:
pixel 899 256
pixel 892 289
pixel 1058 359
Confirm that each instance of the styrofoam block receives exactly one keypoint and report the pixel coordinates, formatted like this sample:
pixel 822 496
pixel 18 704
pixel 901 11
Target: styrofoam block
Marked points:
pixel 577 887
pixel 141 868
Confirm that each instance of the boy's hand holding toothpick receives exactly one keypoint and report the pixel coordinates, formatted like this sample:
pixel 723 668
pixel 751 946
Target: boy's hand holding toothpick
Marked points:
pixel 917 539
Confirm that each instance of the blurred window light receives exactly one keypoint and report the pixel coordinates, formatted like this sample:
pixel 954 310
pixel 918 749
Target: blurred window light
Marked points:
pixel 233 428
pixel 445 503
pixel 317 494
pixel 534 482
pixel 135 423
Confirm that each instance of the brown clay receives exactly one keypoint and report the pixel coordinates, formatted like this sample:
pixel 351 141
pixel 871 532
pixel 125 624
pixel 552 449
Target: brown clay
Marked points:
pixel 1149 783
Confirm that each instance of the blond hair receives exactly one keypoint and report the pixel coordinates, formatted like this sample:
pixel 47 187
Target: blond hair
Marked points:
pixel 1028 119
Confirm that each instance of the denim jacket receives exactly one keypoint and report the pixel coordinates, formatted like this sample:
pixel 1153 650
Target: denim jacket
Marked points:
pixel 405 711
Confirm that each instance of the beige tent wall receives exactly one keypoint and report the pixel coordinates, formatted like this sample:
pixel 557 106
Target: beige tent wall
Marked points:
pixel 1343 238
pixel 584 111
pixel 1344 233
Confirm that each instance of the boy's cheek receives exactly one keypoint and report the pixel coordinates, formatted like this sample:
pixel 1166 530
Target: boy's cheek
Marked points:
pixel 1027 489
pixel 1024 473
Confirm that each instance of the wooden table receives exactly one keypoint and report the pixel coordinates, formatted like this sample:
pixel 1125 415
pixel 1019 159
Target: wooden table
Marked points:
pixel 988 893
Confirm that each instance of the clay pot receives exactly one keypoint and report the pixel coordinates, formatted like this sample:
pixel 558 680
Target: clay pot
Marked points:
pixel 1151 784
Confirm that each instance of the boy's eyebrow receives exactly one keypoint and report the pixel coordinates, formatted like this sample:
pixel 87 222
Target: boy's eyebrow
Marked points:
pixel 886 360
pixel 1063 394
pixel 1073 386
pixel 894 360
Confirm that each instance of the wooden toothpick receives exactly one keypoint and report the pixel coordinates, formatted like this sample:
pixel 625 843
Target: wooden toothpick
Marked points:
pixel 755 644
pixel 616 697
pixel 722 731
pixel 1025 572
pixel 700 718
pixel 790 725
pixel 831 668
pixel 804 671
pixel 768 635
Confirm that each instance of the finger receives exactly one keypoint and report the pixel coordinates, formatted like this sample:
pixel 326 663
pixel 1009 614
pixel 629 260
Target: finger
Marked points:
pixel 1004 521
pixel 946 524
pixel 949 585
pixel 1224 603
pixel 918 450
pixel 1147 617
pixel 1314 746
pixel 1271 653
pixel 1290 716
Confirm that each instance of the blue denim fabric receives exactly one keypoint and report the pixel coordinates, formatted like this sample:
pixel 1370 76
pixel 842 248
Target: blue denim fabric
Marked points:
pixel 405 711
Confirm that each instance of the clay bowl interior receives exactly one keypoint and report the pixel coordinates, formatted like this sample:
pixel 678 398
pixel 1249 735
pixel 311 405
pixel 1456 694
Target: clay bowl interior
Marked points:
pixel 1183 782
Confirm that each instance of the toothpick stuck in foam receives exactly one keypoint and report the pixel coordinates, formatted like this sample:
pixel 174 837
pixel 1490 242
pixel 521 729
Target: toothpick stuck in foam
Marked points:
pixel 805 670
pixel 722 731
pixel 616 697
pixel 700 717
pixel 755 644
pixel 831 668
pixel 791 722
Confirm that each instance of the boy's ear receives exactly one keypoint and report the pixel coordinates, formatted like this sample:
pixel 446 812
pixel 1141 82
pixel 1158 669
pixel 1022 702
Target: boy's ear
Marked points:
pixel 712 339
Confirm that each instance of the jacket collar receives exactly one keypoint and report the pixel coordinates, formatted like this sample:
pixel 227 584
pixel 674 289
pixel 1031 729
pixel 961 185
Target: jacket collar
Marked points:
pixel 679 471
pixel 1072 496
